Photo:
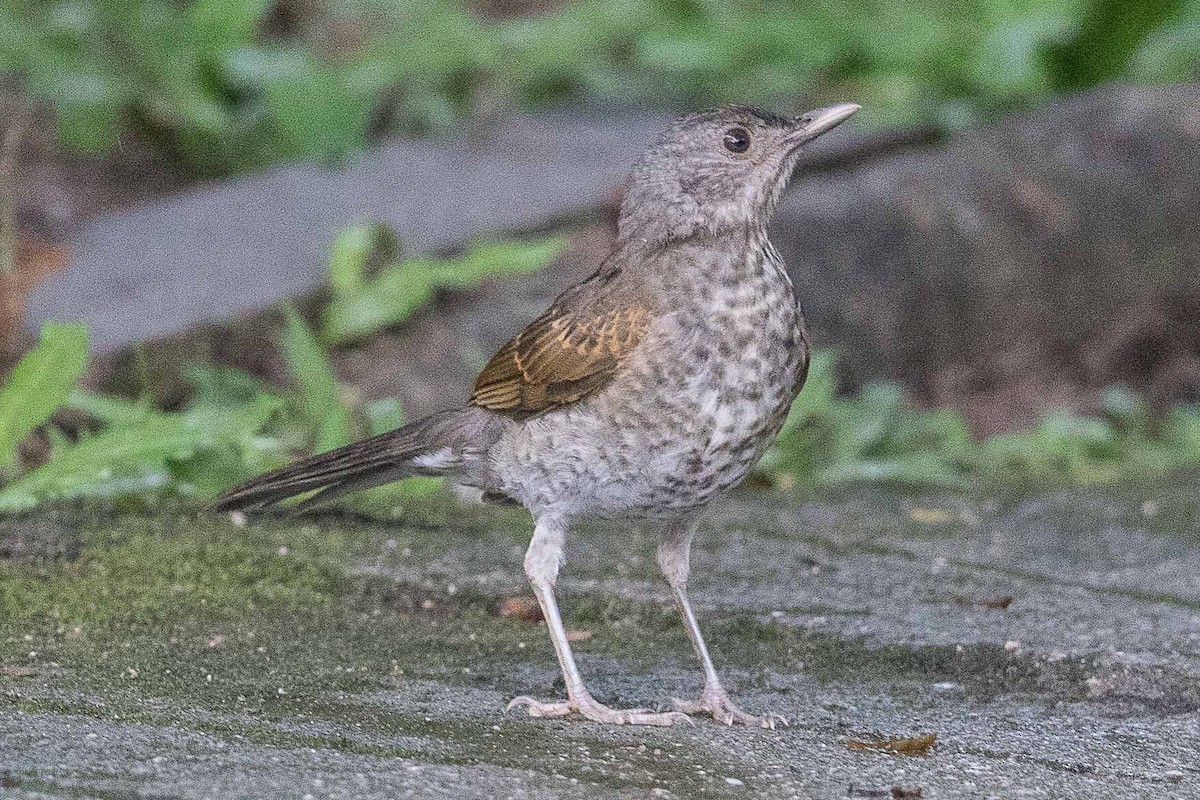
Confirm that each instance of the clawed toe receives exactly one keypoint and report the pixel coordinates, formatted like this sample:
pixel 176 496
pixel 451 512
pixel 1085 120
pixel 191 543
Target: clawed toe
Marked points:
pixel 689 706
pixel 726 711
pixel 537 708
pixel 598 712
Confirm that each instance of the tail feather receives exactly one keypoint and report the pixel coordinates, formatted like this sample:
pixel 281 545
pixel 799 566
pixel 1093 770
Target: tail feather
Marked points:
pixel 371 462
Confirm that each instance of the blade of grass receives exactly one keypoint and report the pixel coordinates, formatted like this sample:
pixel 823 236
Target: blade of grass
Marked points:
pixel 318 396
pixel 40 383
pixel 361 307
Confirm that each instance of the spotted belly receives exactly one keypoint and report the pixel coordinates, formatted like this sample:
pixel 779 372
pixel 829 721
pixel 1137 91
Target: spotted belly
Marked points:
pixel 664 445
pixel 731 429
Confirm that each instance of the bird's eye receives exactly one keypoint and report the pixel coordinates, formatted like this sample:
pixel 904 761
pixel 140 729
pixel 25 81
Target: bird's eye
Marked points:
pixel 737 140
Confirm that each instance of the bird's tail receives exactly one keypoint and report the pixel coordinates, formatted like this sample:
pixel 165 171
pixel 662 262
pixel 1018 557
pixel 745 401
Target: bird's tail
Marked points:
pixel 435 445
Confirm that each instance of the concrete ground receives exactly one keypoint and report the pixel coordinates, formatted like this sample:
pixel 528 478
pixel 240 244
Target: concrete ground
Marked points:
pixel 1051 644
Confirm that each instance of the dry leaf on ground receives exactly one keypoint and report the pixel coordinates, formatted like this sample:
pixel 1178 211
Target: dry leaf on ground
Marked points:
pixel 997 603
pixel 916 746
pixel 893 793
pixel 930 516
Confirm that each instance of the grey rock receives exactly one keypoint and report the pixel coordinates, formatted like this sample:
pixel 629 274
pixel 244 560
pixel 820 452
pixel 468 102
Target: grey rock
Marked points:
pixel 1059 247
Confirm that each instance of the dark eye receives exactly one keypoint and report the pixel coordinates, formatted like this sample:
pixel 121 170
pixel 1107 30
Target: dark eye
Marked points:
pixel 737 140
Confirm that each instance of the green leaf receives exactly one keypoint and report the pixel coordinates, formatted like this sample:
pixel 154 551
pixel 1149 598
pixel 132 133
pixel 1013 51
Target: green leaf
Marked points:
pixel 89 127
pixel 1181 432
pixel 138 457
pixel 1170 55
pixel 360 308
pixel 222 386
pixel 221 25
pixel 318 395
pixel 105 409
pixel 317 115
pixel 918 470
pixel 1108 36
pixel 250 67
pixel 499 258
pixel 40 383
pixel 351 253
pixel 1128 410
pixel 1008 62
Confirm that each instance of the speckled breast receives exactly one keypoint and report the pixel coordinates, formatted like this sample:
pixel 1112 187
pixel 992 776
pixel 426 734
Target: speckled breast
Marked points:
pixel 727 395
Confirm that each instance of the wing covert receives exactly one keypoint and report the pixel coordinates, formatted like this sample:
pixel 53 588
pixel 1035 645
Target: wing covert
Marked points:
pixel 560 358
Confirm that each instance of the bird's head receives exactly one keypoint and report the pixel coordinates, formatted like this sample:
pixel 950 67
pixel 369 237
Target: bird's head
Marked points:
pixel 718 170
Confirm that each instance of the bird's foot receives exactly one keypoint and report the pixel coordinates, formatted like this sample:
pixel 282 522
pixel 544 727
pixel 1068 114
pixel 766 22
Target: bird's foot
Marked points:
pixel 598 712
pixel 725 710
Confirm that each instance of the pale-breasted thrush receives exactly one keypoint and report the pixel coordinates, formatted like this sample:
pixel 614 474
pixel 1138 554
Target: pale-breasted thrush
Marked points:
pixel 643 391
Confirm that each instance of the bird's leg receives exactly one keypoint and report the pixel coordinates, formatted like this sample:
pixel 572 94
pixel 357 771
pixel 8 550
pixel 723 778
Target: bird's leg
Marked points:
pixel 674 556
pixel 542 562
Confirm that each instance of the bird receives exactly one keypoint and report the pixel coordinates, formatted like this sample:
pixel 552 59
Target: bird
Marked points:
pixel 642 393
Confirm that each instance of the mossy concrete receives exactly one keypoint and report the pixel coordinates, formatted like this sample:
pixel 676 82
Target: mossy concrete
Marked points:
pixel 162 653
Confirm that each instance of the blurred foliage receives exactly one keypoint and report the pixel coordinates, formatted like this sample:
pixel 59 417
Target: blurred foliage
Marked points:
pixel 39 384
pixel 234 428
pixel 877 436
pixel 1107 36
pixel 362 304
pixel 318 397
pixel 228 85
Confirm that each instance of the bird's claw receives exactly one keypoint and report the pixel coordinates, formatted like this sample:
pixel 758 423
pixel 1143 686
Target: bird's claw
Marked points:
pixel 726 711
pixel 597 712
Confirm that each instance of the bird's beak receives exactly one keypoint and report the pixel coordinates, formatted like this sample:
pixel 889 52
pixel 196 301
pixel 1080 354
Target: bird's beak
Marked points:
pixel 811 125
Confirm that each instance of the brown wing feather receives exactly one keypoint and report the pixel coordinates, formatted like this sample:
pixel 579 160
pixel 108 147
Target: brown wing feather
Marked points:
pixel 561 358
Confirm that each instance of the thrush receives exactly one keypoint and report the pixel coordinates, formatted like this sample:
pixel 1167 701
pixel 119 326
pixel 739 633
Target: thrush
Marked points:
pixel 643 392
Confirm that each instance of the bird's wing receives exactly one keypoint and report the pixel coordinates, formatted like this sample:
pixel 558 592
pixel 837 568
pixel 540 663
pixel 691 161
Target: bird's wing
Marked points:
pixel 570 352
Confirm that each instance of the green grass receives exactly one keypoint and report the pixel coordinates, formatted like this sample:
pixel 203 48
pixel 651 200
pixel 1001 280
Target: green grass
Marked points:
pixel 877 436
pixel 40 384
pixel 235 427
pixel 363 304
pixel 223 86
